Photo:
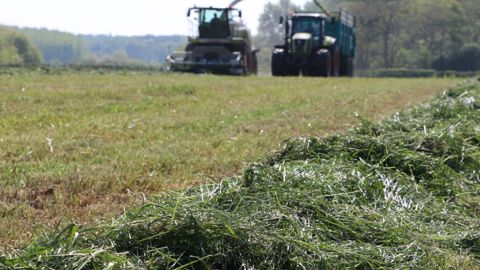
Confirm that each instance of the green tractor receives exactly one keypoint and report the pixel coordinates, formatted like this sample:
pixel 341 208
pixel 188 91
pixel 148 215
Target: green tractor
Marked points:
pixel 316 44
pixel 220 44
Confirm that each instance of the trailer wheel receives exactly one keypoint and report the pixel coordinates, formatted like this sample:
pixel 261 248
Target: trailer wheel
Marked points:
pixel 335 55
pixel 347 67
pixel 350 67
pixel 279 64
pixel 323 63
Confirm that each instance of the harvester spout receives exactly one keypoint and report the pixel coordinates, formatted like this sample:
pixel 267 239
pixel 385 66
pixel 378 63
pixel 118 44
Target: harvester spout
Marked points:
pixel 234 3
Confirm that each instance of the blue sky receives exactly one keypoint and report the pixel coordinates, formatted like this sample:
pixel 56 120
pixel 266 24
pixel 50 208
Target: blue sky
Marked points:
pixel 116 17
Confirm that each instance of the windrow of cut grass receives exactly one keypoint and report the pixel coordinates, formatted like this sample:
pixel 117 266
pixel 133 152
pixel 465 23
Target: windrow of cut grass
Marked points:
pixel 80 146
pixel 400 194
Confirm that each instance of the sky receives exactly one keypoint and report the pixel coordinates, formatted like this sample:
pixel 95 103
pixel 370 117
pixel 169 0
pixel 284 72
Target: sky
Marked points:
pixel 117 17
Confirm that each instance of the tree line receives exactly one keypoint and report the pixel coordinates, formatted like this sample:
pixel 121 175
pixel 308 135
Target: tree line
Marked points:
pixel 17 50
pixel 147 49
pixel 62 48
pixel 413 34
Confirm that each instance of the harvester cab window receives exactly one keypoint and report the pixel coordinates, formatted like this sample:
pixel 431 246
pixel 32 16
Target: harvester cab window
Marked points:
pixel 307 25
pixel 214 23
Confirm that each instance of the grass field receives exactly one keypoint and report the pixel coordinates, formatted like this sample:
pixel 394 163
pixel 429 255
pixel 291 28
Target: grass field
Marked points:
pixel 79 147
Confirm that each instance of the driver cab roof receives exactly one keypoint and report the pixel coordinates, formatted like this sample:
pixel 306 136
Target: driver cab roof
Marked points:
pixel 212 8
pixel 310 15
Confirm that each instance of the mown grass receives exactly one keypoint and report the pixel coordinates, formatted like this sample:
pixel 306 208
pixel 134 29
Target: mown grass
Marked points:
pixel 76 147
pixel 399 194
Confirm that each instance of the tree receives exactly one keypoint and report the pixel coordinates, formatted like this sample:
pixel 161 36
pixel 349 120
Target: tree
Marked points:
pixel 466 59
pixel 271 32
pixel 328 4
pixel 56 47
pixel 29 54
pixel 16 49
pixel 381 30
pixel 439 26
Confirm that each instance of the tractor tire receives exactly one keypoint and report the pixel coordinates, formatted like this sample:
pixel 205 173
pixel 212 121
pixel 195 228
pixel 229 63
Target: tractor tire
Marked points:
pixel 347 67
pixel 279 65
pixel 323 63
pixel 246 65
pixel 335 53
pixel 310 72
pixel 293 71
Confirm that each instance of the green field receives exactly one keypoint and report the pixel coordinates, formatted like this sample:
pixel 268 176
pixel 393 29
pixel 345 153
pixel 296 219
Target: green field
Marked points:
pixel 82 147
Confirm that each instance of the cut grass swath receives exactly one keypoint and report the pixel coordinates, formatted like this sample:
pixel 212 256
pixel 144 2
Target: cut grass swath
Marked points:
pixel 400 194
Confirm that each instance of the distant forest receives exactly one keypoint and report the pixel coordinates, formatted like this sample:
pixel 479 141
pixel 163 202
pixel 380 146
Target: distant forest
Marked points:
pixel 391 34
pixel 60 48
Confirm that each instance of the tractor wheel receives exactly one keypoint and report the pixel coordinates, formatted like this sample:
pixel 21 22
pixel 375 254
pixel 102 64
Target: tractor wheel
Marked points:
pixel 323 63
pixel 335 53
pixel 246 64
pixel 347 67
pixel 310 72
pixel 279 65
pixel 245 71
pixel 293 71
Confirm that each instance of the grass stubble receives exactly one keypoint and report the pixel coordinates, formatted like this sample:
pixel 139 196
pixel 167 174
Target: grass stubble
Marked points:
pixel 77 147
pixel 399 194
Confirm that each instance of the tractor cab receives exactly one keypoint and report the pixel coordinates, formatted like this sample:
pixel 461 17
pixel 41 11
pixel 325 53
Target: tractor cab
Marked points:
pixel 307 33
pixel 214 23
pixel 313 25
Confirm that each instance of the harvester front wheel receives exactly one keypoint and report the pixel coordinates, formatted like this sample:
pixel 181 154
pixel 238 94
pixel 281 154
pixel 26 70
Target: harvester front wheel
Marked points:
pixel 254 65
pixel 323 63
pixel 279 65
